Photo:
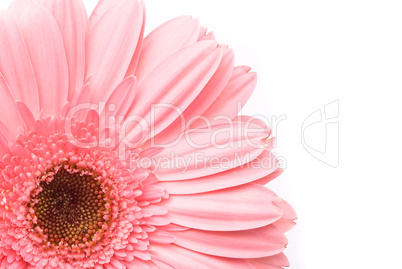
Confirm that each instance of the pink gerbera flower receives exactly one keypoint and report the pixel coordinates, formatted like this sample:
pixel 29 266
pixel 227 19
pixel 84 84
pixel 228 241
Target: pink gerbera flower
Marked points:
pixel 118 151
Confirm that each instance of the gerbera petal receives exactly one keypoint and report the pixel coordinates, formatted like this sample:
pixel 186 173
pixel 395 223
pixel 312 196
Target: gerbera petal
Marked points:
pixel 101 8
pixel 115 264
pixel 3 147
pixel 111 43
pixel 17 7
pixel 175 228
pixel 183 258
pixel 72 21
pixel 174 84
pixel 240 208
pixel 139 264
pixel 210 150
pixel 15 64
pixel 134 60
pixel 232 99
pixel 286 222
pixel 265 180
pixel 272 262
pixel 256 243
pixel 121 98
pixel 82 96
pixel 161 237
pixel 249 119
pixel 240 70
pixel 203 32
pixel 161 265
pixel 204 35
pixel 9 113
pixel 165 40
pixel 16 264
pixel 265 164
pixel 26 115
pixel 5 133
pixel 209 36
pixel 45 46
pixel 80 103
pixel 203 101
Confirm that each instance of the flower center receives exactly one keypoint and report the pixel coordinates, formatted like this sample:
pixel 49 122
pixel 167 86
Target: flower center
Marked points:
pixel 70 208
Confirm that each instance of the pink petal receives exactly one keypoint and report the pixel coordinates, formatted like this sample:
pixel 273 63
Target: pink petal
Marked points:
pixel 210 150
pixel 183 258
pixel 5 133
pixel 9 113
pixel 3 147
pixel 101 8
pixel 161 237
pixel 209 36
pixel 249 244
pixel 82 96
pixel 232 98
pixel 157 221
pixel 272 262
pixel 240 70
pixel 149 152
pixel 134 60
pixel 265 180
pixel 93 117
pixel 161 265
pixel 115 263
pixel 240 208
pixel 204 35
pixel 17 264
pixel 139 264
pixel 203 32
pixel 26 115
pixel 122 97
pixel 72 21
pixel 17 7
pixel 203 101
pixel 45 46
pixel 15 64
pixel 265 164
pixel 165 40
pixel 249 119
pixel 174 84
pixel 80 103
pixel 111 43
pixel 153 210
pixel 174 228
pixel 286 222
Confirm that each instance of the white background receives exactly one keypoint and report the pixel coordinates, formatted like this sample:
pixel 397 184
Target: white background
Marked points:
pixel 308 54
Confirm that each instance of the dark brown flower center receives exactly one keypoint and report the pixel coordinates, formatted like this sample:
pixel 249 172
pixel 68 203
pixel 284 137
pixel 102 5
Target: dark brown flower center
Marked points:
pixel 70 208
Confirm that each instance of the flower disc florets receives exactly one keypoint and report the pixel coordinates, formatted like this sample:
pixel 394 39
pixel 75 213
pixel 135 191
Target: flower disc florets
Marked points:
pixel 69 206
pixel 70 209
